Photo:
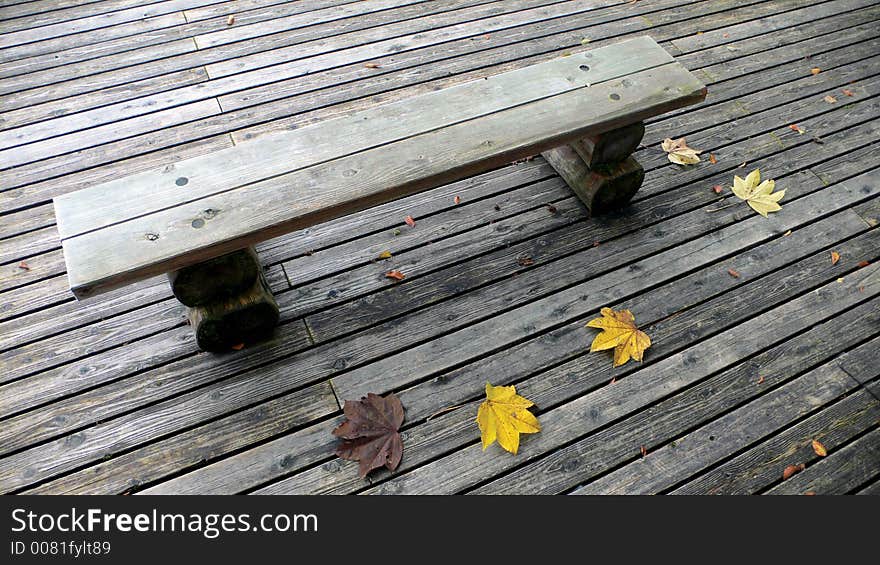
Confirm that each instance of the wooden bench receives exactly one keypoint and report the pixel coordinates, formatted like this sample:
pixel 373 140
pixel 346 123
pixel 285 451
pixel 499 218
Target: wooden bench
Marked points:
pixel 198 219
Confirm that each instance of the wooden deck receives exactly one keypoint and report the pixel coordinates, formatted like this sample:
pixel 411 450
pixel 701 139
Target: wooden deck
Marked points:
pixel 111 395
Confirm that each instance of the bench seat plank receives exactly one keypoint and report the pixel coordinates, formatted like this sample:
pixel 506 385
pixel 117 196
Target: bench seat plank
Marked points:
pixel 284 152
pixel 135 245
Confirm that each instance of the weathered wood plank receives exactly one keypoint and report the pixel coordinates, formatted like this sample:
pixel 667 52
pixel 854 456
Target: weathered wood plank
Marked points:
pixel 105 334
pixel 456 152
pixel 259 159
pixel 202 443
pixel 663 468
pixel 79 25
pixel 63 42
pixel 762 465
pixel 107 133
pixel 531 358
pixel 842 471
pixel 470 465
pixel 30 114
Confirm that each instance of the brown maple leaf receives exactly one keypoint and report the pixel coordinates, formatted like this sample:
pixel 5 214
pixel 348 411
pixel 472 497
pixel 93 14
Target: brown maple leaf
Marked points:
pixel 371 433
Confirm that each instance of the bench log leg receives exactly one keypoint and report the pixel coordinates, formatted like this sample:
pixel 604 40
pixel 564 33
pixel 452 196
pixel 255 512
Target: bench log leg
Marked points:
pixel 600 169
pixel 228 300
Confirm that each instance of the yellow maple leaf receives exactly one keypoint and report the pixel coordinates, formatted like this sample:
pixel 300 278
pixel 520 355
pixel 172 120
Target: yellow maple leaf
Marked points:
pixel 679 153
pixel 503 416
pixel 759 195
pixel 620 332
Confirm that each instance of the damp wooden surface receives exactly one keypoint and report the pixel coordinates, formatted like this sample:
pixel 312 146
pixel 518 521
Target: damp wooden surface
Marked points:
pixel 111 395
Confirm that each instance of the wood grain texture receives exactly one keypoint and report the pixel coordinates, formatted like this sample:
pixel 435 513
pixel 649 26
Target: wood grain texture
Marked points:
pixel 384 173
pixel 260 159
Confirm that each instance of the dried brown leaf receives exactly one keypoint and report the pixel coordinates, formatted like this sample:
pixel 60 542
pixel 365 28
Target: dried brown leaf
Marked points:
pixel 395 274
pixel 679 153
pixel 792 470
pixel 525 260
pixel 835 257
pixel 410 222
pixel 644 451
pixel 718 189
pixel 815 70
pixel 761 380
pixel 457 200
pixel 372 65
pixel 830 99
pixel 733 273
pixel 819 449
pixel 370 432
pixel 712 158
pixel 848 92
pixel 24 266
pixel 230 20
pixel 797 128
pixel 238 346
pixel 863 263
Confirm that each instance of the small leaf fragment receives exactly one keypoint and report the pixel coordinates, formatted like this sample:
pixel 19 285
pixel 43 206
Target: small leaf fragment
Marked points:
pixel 457 200
pixel 644 451
pixel 848 92
pixel 372 65
pixel 718 189
pixel 863 263
pixel 733 273
pixel 835 257
pixel 819 449
pixel 410 222
pixel 830 99
pixel 815 70
pixel 759 195
pixel 525 260
pixel 679 153
pixel 584 41
pixel 712 158
pixel 797 128
pixel 395 274
pixel 238 346
pixel 786 234
pixel 371 433
pixel 24 266
pixel 503 416
pixel 230 20
pixel 791 470
pixel 761 380
pixel 383 255
pixel 619 331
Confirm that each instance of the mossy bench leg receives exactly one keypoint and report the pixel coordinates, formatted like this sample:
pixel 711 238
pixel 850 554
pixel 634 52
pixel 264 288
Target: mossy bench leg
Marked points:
pixel 228 300
pixel 600 169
